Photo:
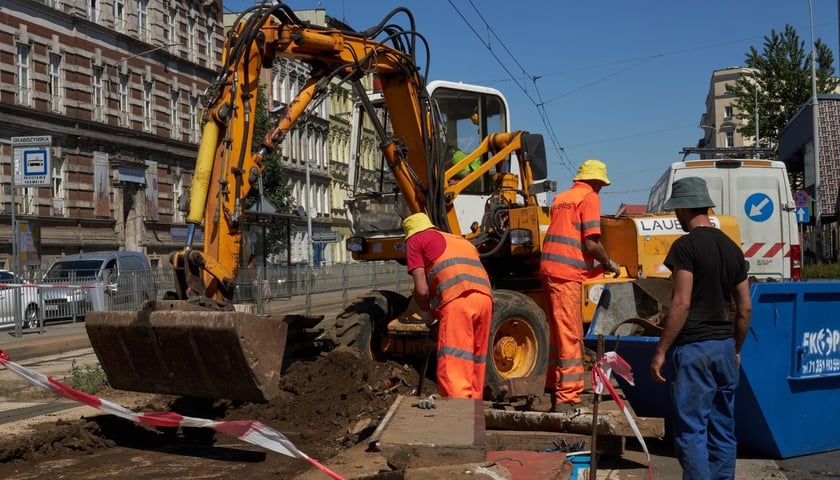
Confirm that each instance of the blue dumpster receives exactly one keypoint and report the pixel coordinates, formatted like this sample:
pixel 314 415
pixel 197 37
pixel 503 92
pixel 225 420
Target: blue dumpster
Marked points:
pixel 790 368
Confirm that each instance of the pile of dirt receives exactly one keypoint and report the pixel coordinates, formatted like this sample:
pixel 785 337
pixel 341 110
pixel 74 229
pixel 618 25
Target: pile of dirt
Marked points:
pixel 324 406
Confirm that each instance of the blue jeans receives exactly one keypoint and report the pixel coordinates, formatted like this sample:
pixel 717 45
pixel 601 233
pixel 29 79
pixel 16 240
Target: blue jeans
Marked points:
pixel 702 391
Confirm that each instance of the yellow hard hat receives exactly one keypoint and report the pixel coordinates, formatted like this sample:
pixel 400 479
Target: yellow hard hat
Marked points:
pixel 593 170
pixel 415 224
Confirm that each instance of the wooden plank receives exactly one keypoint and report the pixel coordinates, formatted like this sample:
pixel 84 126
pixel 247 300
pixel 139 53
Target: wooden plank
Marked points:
pixel 452 433
pixel 525 465
pixel 609 423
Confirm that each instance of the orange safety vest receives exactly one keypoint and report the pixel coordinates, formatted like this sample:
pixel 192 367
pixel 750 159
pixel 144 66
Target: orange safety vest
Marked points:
pixel 563 253
pixel 455 272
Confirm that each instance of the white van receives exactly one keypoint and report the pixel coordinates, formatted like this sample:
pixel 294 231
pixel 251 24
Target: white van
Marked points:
pixel 109 280
pixel 757 193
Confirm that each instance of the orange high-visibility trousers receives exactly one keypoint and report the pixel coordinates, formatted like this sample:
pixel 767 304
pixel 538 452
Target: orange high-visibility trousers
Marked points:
pixel 462 345
pixel 565 355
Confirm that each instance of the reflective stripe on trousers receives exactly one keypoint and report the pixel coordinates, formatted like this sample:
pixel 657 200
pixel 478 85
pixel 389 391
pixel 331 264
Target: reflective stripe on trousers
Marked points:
pixel 462 345
pixel 565 355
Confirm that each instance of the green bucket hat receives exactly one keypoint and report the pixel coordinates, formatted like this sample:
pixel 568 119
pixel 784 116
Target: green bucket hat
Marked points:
pixel 689 192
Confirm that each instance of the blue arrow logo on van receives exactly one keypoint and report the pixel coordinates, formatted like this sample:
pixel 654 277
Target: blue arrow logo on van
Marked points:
pixel 759 207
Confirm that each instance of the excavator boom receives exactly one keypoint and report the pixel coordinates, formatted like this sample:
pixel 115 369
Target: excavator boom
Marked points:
pixel 194 343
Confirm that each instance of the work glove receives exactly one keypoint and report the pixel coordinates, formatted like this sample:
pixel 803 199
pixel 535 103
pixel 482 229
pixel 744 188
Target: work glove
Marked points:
pixel 426 403
pixel 428 318
pixel 612 267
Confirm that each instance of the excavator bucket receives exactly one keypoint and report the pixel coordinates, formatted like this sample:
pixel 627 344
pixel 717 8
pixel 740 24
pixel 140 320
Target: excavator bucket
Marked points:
pixel 180 348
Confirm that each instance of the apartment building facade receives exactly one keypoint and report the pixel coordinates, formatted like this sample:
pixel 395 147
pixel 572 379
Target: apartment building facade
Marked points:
pixel 720 122
pixel 116 85
pixel 316 155
pixel 796 149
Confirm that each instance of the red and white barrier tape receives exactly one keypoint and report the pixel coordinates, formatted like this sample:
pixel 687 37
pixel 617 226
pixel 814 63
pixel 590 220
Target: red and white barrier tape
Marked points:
pixel 612 362
pixel 250 431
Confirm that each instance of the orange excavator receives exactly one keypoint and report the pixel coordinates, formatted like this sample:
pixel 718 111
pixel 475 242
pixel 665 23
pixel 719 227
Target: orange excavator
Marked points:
pixel 196 343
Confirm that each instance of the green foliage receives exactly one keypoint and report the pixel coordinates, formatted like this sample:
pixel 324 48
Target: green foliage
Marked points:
pixel 783 78
pixel 275 182
pixel 90 379
pixel 829 271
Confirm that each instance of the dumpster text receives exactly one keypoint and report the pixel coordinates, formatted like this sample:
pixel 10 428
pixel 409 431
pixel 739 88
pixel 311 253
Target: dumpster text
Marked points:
pixel 825 345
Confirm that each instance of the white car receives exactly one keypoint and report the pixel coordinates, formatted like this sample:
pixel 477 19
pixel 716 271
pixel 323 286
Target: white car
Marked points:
pixel 12 288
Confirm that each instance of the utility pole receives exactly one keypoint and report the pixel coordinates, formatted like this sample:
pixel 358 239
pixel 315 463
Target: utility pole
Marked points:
pixel 816 121
pixel 757 134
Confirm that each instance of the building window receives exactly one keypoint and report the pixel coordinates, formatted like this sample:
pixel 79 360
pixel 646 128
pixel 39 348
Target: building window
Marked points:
pixel 124 107
pixel 27 201
pixel 319 152
pixel 23 80
pixel 191 40
pixel 147 106
pixel 55 83
pixel 730 139
pixel 172 29
pixel 727 111
pixel 177 193
pixel 119 15
pixel 174 118
pixel 283 96
pixel 93 11
pixel 143 19
pixel 325 153
pixel 193 119
pixel 211 47
pixel 97 87
pixel 59 179
pixel 276 85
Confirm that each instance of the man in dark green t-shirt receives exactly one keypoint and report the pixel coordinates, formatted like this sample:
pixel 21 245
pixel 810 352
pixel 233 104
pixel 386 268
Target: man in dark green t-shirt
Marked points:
pixel 700 339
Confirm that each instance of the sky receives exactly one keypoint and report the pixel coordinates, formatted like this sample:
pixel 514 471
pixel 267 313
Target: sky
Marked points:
pixel 623 82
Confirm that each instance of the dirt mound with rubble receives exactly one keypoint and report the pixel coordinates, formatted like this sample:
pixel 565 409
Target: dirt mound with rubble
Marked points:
pixel 323 407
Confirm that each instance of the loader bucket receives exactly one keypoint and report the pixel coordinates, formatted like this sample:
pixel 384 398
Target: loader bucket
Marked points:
pixel 179 348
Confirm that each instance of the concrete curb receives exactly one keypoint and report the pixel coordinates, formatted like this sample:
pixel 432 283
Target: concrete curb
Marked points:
pixel 43 346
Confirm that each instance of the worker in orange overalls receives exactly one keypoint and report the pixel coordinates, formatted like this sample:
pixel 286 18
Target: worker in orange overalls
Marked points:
pixel 451 285
pixel 571 247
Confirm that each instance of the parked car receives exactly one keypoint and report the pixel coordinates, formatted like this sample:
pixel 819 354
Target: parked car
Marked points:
pixel 11 288
pixel 109 280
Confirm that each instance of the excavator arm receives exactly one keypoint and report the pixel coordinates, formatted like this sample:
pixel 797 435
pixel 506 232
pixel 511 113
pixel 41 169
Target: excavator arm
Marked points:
pixel 226 168
pixel 194 342
pixel 413 147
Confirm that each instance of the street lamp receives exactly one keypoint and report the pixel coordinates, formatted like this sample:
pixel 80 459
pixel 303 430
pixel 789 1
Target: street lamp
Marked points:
pixel 712 135
pixel 309 208
pixel 816 121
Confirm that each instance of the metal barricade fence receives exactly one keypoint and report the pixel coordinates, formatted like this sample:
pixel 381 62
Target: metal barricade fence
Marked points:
pixel 30 306
pixel 262 284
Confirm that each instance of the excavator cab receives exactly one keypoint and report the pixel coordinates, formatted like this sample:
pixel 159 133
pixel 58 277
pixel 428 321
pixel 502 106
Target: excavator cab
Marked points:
pixel 467 114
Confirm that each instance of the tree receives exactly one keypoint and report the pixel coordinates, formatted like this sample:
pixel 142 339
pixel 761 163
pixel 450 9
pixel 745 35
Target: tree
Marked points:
pixel 275 182
pixel 783 78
